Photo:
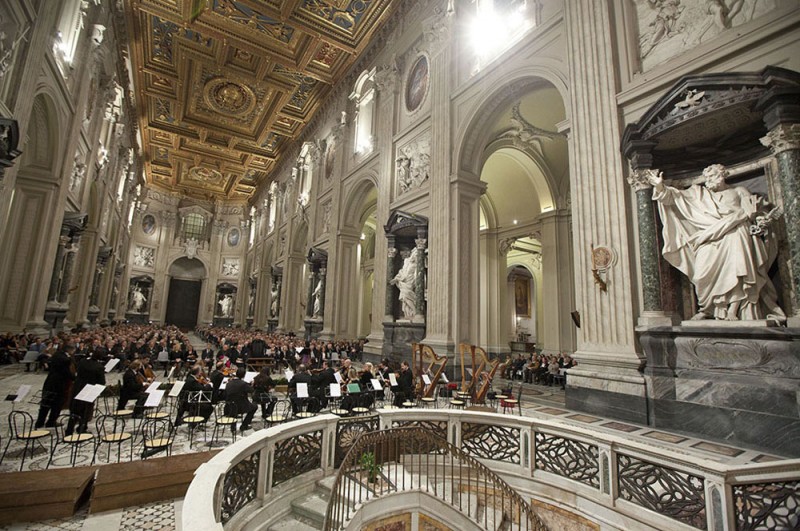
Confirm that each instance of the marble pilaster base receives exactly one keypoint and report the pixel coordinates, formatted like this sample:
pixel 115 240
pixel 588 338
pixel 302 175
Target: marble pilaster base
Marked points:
pixel 398 337
pixel 272 324
pixel 94 311
pixel 736 385
pixel 613 395
pixel 55 317
pixel 223 321
pixel 313 328
pixel 138 318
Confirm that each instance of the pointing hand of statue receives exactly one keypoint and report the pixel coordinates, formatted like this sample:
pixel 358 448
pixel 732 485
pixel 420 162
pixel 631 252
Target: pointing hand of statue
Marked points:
pixel 655 178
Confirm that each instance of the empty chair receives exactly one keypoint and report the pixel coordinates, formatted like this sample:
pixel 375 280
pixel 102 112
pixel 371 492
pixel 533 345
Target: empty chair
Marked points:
pixel 508 404
pixel 20 428
pixel 225 416
pixel 159 434
pixel 75 441
pixel 111 431
pixel 280 413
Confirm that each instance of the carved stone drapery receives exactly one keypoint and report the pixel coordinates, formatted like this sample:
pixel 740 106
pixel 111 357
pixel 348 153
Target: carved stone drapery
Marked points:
pixel 317 265
pixel 407 235
pixel 9 139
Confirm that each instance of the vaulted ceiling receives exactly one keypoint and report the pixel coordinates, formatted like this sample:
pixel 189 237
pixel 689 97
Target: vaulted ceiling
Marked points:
pixel 224 86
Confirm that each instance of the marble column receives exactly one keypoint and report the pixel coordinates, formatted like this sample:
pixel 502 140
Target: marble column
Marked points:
pixel 784 141
pixel 66 279
pixel 52 294
pixel 652 313
pixel 391 291
pixel 420 280
pixel 312 282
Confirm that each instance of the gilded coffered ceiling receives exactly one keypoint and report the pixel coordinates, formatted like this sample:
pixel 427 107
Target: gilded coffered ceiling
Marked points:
pixel 224 86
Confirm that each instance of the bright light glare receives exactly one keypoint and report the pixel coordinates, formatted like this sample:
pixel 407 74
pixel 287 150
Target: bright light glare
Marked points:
pixel 492 31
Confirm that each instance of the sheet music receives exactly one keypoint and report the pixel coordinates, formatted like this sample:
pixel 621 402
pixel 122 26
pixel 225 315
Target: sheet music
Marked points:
pixel 289 375
pixel 336 391
pixel 171 372
pixel 376 384
pixel 392 379
pixel 302 390
pixel 21 392
pixel 177 387
pixel 111 364
pixel 154 399
pixel 152 387
pixel 299 349
pixel 90 392
pixel 426 379
pixel 249 376
pixel 338 377
pixel 224 383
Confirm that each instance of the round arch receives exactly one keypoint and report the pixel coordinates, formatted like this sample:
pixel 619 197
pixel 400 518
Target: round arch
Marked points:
pixel 473 136
pixel 356 199
pixel 188 268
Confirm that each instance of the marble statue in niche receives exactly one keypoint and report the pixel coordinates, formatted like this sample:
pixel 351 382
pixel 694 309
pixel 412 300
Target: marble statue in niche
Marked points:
pixel 138 300
pixel 226 305
pixel 273 307
pixel 230 267
pixel 719 237
pixel 326 217
pixel 317 294
pixel 413 164
pixel 78 173
pixel 144 257
pixel 405 280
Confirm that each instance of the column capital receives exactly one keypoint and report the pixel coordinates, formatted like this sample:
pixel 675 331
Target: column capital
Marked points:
pixel 782 137
pixel 640 179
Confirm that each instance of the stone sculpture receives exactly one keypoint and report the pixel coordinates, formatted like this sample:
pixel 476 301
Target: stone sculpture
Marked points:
pixel 317 294
pixel 715 234
pixel 226 306
pixel 405 280
pixel 137 300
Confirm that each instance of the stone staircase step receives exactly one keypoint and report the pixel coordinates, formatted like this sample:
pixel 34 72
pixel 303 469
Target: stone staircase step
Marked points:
pixel 295 523
pixel 312 507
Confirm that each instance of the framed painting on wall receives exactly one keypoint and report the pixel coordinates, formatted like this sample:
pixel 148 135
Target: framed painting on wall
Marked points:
pixel 417 84
pixel 522 296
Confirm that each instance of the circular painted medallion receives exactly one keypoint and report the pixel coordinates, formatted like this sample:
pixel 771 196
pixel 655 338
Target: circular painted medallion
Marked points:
pixel 417 84
pixel 228 97
pixel 234 236
pixel 148 224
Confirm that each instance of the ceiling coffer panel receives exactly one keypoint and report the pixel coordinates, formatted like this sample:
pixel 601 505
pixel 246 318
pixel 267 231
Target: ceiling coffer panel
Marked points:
pixel 225 86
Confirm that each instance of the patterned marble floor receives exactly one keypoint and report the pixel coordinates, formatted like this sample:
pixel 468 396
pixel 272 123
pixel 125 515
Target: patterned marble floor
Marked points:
pixel 537 400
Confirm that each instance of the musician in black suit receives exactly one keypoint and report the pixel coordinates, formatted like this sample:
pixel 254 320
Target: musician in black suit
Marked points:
pixel 192 387
pixel 55 387
pixel 133 388
pixel 301 376
pixel 405 385
pixel 236 394
pixel 90 372
pixel 322 382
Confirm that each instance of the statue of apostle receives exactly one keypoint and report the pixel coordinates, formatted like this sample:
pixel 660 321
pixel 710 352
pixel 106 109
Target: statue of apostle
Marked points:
pixel 714 234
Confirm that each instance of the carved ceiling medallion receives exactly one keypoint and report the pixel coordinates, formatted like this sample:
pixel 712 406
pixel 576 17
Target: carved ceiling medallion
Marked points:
pixel 228 97
pixel 204 175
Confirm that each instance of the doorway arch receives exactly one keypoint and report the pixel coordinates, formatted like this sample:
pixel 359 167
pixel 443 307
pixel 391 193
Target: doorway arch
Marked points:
pixel 186 279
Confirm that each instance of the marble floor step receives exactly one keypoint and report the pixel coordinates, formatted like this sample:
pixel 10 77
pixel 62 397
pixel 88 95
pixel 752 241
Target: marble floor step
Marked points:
pixel 293 522
pixel 312 507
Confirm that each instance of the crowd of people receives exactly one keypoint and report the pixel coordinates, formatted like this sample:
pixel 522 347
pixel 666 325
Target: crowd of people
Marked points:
pixel 539 368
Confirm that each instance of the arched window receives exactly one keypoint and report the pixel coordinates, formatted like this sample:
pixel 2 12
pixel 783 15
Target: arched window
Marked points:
pixel 194 227
pixel 364 98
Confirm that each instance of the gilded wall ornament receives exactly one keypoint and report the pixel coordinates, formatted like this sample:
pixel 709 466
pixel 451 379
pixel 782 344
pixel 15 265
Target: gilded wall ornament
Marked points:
pixel 228 97
pixel 204 175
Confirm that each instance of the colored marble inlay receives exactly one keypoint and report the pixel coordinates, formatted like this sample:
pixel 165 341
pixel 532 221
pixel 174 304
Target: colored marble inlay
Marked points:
pixel 718 449
pixel 665 437
pixel 551 411
pixel 619 426
pixel 584 418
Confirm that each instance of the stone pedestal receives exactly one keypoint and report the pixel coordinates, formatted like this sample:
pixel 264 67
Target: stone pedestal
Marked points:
pixel 272 324
pixel 313 328
pixel 737 385
pixel 223 321
pixel 138 318
pixel 398 337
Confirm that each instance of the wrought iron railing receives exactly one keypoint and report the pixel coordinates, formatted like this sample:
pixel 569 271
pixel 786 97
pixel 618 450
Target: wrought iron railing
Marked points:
pixel 639 481
pixel 407 459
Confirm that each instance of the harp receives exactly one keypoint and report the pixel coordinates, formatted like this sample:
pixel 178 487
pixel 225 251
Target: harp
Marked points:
pixel 483 371
pixel 427 362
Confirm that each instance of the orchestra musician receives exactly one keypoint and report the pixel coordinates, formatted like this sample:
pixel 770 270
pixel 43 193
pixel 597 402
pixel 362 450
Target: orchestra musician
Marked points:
pixel 217 375
pixel 195 383
pixel 237 401
pixel 90 371
pixel 133 386
pixel 59 378
pixel 301 376
pixel 404 390
pixel 262 385
pixel 349 374
pixel 322 381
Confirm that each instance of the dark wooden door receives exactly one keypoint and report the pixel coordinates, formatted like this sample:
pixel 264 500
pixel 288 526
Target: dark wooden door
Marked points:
pixel 183 302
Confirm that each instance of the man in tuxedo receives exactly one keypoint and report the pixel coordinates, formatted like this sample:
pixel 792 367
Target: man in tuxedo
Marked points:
pixel 236 396
pixel 193 387
pixel 301 376
pixel 322 382
pixel 55 387
pixel 90 371
pixel 405 385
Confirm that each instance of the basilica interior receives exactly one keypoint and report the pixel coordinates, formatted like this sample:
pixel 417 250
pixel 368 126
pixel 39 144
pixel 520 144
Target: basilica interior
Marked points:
pixel 615 183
